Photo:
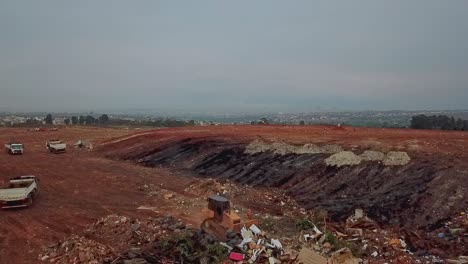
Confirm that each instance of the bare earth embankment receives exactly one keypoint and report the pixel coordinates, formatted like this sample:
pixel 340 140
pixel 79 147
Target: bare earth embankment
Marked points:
pixel 320 167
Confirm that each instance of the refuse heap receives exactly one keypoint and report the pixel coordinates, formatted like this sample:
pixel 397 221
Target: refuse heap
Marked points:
pixel 256 246
pixel 78 250
pixel 449 239
pixel 123 240
pixel 105 239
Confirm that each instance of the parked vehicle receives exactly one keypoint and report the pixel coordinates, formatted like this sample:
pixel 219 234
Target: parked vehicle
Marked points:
pixel 14 148
pixel 56 146
pixel 20 192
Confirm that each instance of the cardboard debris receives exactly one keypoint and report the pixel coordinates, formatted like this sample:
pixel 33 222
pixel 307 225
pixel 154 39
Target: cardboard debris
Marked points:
pixel 308 256
pixel 343 256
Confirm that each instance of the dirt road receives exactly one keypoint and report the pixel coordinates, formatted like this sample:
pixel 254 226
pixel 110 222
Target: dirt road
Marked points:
pixel 76 188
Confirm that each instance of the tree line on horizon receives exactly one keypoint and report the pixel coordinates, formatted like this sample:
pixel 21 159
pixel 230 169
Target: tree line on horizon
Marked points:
pixel 104 119
pixel 441 122
pixel 80 120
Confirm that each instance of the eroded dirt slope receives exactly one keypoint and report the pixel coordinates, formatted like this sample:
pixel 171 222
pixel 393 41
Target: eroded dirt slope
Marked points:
pixel 423 193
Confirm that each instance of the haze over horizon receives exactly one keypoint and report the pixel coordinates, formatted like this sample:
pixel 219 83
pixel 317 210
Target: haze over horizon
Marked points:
pixel 241 56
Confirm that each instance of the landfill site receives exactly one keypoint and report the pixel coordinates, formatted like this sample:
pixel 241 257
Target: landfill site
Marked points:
pixel 237 194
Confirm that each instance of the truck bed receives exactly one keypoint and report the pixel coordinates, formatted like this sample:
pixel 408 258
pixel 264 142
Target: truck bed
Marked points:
pixel 19 193
pixel 13 194
pixel 58 146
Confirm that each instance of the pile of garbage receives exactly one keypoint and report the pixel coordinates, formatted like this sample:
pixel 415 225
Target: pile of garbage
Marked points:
pixel 78 250
pixel 256 246
pixel 133 231
pixel 362 240
pixel 105 239
pixel 453 235
pixel 124 240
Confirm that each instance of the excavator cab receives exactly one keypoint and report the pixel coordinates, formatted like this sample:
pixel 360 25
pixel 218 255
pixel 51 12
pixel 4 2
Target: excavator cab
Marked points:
pixel 218 205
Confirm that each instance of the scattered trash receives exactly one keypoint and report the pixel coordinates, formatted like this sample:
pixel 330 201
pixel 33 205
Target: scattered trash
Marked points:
pixel 255 229
pixel 168 196
pixel 84 144
pixel 236 256
pixel 343 256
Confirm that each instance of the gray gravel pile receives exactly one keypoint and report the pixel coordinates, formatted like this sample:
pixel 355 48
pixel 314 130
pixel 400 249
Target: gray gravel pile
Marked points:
pixel 309 149
pixel 372 155
pixel 331 149
pixel 343 158
pixel 396 158
pixel 258 146
pixel 282 148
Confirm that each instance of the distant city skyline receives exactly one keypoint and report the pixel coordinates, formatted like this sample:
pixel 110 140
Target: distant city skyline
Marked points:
pixel 231 57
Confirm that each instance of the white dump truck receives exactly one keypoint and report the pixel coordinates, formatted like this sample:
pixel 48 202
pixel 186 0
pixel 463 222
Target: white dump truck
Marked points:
pixel 56 146
pixel 20 192
pixel 14 148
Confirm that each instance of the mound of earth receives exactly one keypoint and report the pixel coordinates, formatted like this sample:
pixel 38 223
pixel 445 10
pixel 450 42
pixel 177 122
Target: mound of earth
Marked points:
pixel 396 158
pixel 422 193
pixel 372 155
pixel 309 149
pixel 343 158
pixel 282 148
pixel 331 149
pixel 257 146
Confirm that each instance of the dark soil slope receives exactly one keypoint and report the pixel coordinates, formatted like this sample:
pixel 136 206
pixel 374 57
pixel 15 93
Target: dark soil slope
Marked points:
pixel 423 193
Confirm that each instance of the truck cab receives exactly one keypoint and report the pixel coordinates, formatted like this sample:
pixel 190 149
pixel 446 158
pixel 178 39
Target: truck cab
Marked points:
pixel 14 148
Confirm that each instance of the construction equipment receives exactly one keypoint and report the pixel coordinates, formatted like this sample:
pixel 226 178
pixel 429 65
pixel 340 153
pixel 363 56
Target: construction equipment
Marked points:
pixel 220 219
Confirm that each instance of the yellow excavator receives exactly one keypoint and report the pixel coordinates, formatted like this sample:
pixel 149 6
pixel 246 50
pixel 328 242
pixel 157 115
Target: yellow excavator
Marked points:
pixel 220 219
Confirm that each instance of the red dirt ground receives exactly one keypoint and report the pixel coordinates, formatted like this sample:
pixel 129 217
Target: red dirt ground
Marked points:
pixel 79 187
pixel 418 141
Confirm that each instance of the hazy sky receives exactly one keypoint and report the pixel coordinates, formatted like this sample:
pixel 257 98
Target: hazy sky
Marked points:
pixel 233 55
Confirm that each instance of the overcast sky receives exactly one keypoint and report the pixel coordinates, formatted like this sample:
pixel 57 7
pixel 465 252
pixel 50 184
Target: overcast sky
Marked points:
pixel 224 56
